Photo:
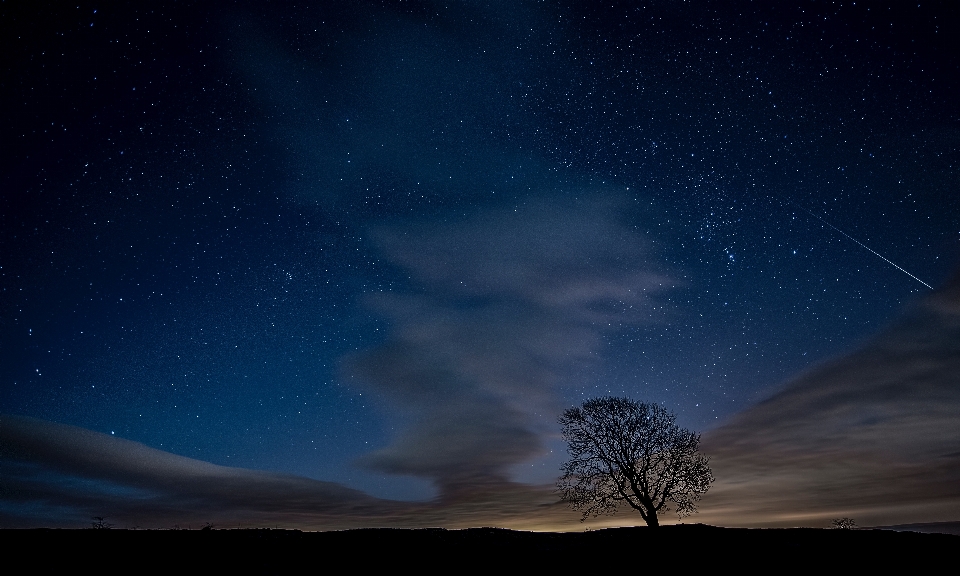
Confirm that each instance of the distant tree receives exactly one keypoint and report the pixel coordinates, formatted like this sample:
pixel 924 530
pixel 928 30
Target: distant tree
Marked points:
pixel 624 451
pixel 844 523
pixel 100 523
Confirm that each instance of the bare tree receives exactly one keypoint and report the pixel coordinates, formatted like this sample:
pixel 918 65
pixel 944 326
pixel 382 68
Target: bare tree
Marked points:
pixel 100 523
pixel 622 450
pixel 844 523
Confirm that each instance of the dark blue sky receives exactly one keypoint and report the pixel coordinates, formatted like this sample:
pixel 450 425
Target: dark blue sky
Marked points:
pixel 385 243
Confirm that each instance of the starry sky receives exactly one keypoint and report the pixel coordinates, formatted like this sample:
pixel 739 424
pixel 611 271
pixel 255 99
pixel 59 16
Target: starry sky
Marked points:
pixel 367 252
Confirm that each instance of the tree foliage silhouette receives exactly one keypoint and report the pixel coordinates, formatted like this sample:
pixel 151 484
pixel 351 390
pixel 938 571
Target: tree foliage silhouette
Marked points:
pixel 624 451
pixel 844 523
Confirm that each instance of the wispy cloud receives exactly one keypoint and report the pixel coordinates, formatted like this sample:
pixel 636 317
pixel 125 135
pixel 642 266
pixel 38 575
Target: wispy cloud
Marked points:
pixel 55 475
pixel 400 100
pixel 874 434
pixel 60 474
pixel 503 301
pixel 514 287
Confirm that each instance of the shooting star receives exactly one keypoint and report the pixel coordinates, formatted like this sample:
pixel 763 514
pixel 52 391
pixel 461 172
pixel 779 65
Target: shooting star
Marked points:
pixel 862 245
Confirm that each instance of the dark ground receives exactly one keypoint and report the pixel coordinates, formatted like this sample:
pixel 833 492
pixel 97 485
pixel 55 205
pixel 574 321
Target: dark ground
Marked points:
pixel 670 549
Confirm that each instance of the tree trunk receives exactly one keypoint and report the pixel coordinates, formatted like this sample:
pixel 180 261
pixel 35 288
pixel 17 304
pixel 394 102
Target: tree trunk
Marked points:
pixel 652 520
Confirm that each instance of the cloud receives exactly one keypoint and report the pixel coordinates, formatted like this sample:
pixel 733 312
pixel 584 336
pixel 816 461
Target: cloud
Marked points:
pixel 409 109
pixel 392 100
pixel 874 434
pixel 55 475
pixel 75 470
pixel 505 299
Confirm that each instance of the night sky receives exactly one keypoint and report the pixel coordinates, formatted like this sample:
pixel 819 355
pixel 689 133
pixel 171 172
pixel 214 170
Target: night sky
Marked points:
pixel 369 251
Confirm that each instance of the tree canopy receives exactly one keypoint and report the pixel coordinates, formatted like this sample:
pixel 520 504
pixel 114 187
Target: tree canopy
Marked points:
pixel 624 451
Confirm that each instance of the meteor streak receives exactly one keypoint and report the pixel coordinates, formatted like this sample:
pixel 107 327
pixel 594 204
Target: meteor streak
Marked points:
pixel 874 252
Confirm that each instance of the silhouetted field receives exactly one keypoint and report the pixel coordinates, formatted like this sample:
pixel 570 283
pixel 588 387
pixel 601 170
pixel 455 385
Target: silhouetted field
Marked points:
pixel 669 549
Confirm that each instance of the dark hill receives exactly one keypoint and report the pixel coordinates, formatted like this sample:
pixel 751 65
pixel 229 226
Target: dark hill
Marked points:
pixel 670 549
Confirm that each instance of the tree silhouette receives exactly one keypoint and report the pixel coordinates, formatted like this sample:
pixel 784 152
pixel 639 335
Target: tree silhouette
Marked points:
pixel 100 523
pixel 844 523
pixel 621 451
